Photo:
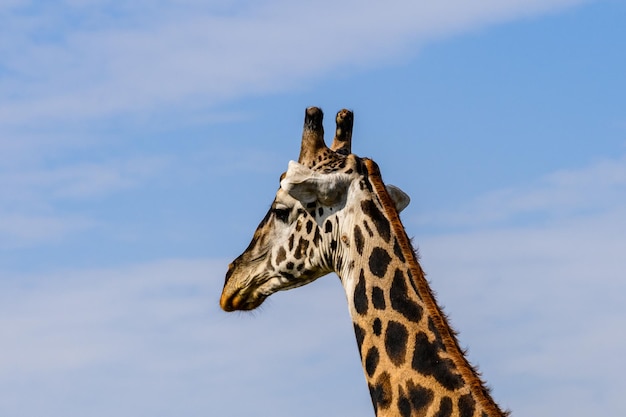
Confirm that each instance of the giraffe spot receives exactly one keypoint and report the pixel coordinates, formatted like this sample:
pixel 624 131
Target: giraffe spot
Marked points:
pixel 328 226
pixel 433 329
pixel 397 250
pixel 317 237
pixel 359 333
pixel 360 296
pixel 416 398
pixel 379 261
pixel 426 360
pixel 396 338
pixel 400 300
pixel 381 392
pixel 281 255
pixel 333 245
pixel 421 397
pixel 378 218
pixel 291 238
pixel 358 239
pixel 445 408
pixel 368 229
pixel 309 226
pixel 290 265
pixel 378 298
pixel 377 327
pixel 288 276
pixel 301 249
pixel 411 281
pixel 466 405
pixel 371 361
pixel 404 405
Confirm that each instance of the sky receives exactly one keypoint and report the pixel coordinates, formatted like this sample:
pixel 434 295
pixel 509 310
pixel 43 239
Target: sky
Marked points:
pixel 141 143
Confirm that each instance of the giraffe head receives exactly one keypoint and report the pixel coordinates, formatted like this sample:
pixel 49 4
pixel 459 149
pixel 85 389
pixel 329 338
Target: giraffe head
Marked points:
pixel 304 234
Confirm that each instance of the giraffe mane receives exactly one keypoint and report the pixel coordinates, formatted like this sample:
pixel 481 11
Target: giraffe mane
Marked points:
pixel 418 279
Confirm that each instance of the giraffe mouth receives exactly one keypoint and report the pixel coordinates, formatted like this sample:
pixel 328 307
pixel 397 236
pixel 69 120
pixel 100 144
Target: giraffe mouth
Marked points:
pixel 241 291
pixel 240 302
pixel 247 288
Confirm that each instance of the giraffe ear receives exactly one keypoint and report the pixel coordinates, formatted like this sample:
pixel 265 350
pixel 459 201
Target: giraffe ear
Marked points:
pixel 399 197
pixel 309 186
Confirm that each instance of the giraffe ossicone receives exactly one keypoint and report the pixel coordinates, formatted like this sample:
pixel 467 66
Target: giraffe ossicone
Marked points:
pixel 333 213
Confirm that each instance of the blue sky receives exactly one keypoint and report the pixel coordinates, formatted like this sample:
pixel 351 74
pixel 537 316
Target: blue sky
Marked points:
pixel 141 144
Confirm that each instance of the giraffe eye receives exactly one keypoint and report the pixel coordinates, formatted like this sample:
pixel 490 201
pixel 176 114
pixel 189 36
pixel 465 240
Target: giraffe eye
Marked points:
pixel 281 214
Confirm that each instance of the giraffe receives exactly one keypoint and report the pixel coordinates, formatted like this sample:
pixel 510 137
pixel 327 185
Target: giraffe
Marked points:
pixel 333 213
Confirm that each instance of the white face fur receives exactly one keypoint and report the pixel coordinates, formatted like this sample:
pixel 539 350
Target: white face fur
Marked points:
pixel 293 245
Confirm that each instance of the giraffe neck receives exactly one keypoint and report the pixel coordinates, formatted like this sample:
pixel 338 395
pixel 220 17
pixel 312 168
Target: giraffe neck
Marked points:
pixel 411 358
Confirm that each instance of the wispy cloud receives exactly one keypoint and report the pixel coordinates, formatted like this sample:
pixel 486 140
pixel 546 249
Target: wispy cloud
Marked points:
pixel 80 180
pixel 600 186
pixel 29 211
pixel 58 311
pixel 70 64
pixel 144 57
pixel 26 229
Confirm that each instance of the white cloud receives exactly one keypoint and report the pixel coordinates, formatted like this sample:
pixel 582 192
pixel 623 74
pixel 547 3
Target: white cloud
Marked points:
pixel 20 229
pixel 170 55
pixel 31 215
pixel 51 201
pixel 81 180
pixel 600 186
pixel 68 64
pixel 87 317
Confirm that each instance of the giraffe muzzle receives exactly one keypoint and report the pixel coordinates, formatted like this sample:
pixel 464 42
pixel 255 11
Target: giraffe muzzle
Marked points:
pixel 239 301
